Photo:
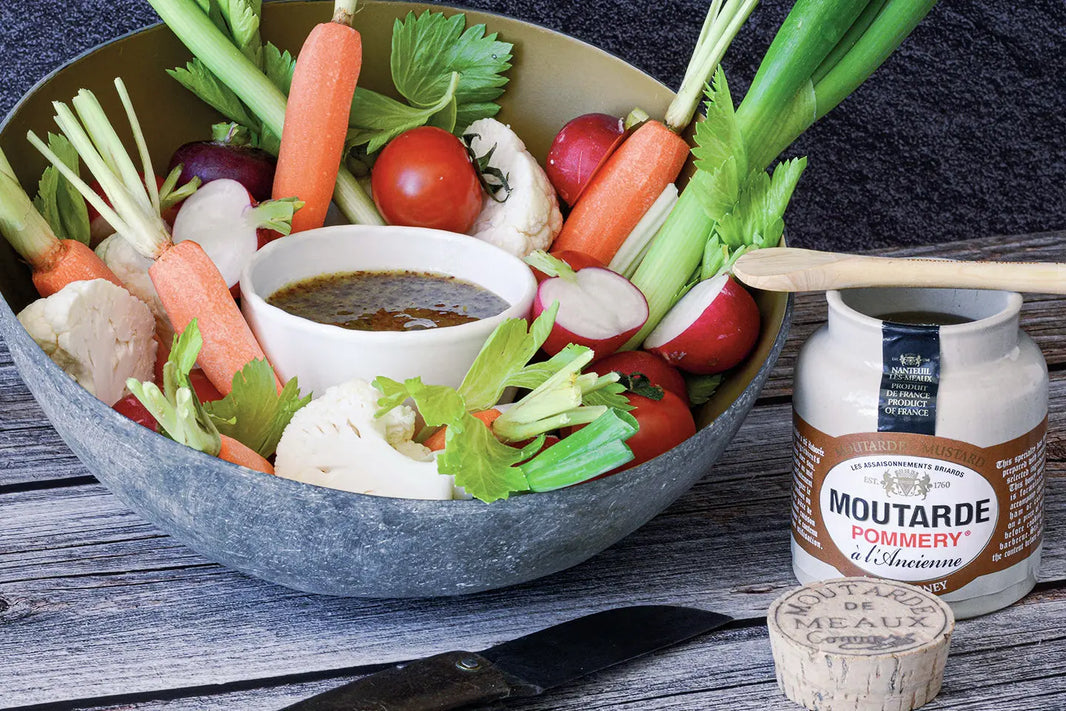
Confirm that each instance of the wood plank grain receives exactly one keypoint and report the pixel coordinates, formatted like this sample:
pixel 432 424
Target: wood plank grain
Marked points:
pixel 80 574
pixel 1009 660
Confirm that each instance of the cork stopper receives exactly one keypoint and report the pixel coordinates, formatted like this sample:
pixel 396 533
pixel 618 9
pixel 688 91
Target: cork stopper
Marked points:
pixel 860 644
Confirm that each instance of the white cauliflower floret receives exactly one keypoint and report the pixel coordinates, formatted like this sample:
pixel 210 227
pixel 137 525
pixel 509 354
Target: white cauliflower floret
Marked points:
pixel 131 268
pixel 529 219
pixel 98 333
pixel 336 441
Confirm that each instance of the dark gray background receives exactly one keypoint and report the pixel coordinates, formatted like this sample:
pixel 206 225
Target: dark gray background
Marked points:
pixel 960 134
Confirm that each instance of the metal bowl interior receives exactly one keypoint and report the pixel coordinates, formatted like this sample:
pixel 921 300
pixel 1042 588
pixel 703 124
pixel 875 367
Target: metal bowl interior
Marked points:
pixel 322 540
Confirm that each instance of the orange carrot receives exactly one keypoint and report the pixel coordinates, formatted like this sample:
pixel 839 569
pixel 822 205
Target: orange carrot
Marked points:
pixel 234 451
pixel 316 116
pixel 191 287
pixel 622 191
pixel 436 440
pixel 55 262
pixel 68 262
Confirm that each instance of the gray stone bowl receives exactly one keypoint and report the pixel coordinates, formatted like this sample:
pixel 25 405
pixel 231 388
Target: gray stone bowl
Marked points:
pixel 334 542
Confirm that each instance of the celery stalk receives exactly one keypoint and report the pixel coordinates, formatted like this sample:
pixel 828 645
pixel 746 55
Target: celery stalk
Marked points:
pixel 20 222
pixel 195 29
pixel 595 449
pixel 674 255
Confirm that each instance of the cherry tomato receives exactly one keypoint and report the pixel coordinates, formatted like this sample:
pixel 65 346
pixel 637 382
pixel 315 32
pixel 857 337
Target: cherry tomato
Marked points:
pixel 664 424
pixel 652 366
pixel 424 178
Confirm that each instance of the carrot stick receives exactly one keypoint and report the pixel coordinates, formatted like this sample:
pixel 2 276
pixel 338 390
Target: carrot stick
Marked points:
pixel 234 451
pixel 191 287
pixel 54 262
pixel 316 116
pixel 68 262
pixel 435 441
pixel 622 191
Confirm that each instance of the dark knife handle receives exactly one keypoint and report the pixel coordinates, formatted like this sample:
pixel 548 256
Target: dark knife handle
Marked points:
pixel 445 681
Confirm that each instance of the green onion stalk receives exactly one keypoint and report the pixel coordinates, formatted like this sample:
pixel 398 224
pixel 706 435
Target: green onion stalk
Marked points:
pixel 233 68
pixel 823 51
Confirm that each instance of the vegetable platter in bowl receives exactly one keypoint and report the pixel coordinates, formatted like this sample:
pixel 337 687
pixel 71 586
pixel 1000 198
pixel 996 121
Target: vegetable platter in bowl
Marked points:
pixel 478 514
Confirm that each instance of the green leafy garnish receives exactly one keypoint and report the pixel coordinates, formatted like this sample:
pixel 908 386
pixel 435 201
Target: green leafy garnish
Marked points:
pixel 480 457
pixel 58 201
pixel 702 388
pixel 376 119
pixel 176 408
pixel 505 354
pixel 254 412
pixel 429 48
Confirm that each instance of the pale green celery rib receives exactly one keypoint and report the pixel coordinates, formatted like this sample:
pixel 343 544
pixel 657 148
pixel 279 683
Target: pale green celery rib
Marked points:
pixel 675 254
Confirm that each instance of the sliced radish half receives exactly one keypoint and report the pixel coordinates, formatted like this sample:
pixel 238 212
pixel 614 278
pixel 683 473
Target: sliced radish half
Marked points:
pixel 223 218
pixel 598 308
pixel 710 330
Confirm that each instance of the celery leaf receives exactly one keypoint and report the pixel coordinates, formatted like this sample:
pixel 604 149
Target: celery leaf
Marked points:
pixel 427 49
pixel 757 220
pixel 254 413
pixel 376 119
pixel 505 353
pixel 481 464
pixel 278 66
pixel 198 79
pixel 58 201
pixel 242 21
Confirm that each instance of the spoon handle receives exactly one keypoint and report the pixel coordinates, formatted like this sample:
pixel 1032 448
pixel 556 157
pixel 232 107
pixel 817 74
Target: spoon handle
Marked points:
pixel 791 269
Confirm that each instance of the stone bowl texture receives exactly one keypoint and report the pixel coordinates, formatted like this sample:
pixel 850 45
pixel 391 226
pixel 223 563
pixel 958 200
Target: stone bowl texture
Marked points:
pixel 334 542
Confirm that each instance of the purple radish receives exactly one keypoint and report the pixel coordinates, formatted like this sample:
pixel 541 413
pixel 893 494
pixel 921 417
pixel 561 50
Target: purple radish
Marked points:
pixel 598 308
pixel 211 160
pixel 224 219
pixel 710 330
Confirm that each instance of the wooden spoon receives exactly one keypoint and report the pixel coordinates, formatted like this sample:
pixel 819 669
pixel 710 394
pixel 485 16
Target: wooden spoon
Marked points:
pixel 791 269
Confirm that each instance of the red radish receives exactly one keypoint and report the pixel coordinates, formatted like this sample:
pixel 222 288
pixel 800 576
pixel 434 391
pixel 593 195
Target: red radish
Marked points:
pixel 652 366
pixel 579 149
pixel 223 218
pixel 210 160
pixel 710 330
pixel 598 308
pixel 576 260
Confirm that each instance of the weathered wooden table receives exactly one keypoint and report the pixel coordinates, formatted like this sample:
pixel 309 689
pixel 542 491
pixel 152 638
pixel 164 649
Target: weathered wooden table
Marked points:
pixel 99 610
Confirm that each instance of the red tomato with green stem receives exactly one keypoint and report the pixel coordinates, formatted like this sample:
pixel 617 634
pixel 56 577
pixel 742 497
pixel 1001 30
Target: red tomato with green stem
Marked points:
pixel 664 424
pixel 424 178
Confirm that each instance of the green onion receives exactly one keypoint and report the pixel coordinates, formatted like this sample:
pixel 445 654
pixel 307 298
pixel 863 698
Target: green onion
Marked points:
pixel 719 28
pixel 595 449
pixel 196 30
pixel 877 32
pixel 807 36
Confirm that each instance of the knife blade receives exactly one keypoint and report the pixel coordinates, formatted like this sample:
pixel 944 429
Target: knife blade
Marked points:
pixel 524 666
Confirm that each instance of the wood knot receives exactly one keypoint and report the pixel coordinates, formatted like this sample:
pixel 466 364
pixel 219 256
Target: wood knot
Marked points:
pixel 4 605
